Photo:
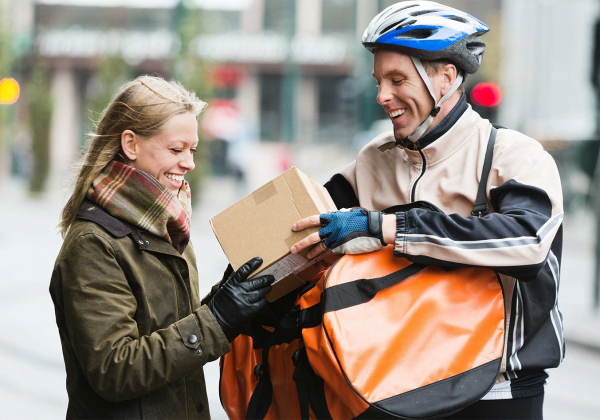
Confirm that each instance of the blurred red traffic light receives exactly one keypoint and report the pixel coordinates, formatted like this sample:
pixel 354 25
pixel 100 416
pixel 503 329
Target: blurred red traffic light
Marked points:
pixel 486 94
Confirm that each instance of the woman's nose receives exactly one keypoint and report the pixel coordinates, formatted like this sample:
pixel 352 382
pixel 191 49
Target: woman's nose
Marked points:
pixel 187 162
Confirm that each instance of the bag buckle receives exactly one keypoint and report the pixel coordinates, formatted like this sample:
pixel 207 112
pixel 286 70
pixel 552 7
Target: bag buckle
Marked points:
pixel 258 371
pixel 296 356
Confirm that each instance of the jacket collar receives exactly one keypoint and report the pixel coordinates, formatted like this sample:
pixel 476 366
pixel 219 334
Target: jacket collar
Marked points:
pixel 446 124
pixel 453 137
pixel 436 132
pixel 92 212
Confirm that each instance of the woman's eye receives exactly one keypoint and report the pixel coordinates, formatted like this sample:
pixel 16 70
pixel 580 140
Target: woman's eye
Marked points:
pixel 176 150
pixel 194 150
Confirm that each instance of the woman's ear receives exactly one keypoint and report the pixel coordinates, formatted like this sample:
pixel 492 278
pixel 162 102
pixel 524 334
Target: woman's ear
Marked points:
pixel 129 144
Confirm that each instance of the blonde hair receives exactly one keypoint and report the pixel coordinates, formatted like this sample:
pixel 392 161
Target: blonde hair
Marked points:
pixel 142 106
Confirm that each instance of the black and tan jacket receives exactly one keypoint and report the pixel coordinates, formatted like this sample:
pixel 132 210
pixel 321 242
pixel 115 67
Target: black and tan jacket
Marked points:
pixel 521 238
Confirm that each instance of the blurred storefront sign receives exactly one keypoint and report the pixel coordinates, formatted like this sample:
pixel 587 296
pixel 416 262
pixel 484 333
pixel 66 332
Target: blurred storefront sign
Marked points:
pixel 136 46
pixel 133 46
pixel 271 48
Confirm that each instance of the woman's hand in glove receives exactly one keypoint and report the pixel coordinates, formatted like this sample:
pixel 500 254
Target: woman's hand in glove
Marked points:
pixel 239 299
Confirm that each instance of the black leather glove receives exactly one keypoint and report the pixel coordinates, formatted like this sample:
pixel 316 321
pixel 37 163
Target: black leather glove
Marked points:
pixel 239 299
pixel 228 272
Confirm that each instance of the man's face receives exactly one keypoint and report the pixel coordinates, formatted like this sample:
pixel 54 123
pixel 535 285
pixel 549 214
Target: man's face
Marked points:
pixel 402 93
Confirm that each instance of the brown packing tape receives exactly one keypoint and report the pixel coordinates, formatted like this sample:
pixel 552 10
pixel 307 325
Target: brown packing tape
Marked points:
pixel 264 193
pixel 292 239
pixel 320 193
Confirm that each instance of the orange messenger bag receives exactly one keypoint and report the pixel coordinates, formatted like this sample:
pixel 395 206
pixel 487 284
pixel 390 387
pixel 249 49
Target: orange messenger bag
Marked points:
pixel 376 337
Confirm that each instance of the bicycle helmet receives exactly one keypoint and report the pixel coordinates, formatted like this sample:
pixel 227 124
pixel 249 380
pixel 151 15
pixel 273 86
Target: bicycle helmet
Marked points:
pixel 426 30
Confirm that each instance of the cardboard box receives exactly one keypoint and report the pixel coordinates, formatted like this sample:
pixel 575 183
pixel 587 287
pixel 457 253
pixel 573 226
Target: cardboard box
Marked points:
pixel 260 225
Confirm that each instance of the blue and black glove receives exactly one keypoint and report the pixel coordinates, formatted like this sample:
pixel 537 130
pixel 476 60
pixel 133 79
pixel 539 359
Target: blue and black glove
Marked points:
pixel 357 231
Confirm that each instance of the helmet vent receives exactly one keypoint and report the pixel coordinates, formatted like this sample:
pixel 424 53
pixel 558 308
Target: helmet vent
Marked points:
pixel 476 47
pixel 406 7
pixel 402 25
pixel 406 23
pixel 423 12
pixel 421 33
pixel 458 19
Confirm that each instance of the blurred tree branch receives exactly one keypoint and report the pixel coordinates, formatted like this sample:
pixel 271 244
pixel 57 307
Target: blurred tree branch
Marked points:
pixel 6 63
pixel 40 114
pixel 193 73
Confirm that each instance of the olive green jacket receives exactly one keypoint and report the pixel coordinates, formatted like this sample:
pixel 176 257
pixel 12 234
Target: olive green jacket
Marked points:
pixel 133 330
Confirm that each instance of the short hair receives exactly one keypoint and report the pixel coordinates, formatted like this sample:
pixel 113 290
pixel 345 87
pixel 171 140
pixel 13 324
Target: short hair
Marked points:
pixel 434 66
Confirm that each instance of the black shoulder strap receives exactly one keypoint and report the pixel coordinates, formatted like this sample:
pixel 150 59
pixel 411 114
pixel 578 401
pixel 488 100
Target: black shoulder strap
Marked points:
pixel 481 209
pixel 310 388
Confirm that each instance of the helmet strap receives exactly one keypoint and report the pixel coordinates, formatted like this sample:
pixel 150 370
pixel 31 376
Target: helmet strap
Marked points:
pixel 421 128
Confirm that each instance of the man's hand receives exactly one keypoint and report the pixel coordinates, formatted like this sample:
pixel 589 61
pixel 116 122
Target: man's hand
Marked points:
pixel 354 231
pixel 239 299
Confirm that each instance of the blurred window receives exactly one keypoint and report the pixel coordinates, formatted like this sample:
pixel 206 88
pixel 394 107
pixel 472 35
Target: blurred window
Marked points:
pixel 337 110
pixel 270 107
pixel 279 16
pixel 220 21
pixel 338 16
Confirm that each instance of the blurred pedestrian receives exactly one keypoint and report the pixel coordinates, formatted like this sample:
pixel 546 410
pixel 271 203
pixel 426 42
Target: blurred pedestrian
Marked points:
pixel 422 54
pixel 134 331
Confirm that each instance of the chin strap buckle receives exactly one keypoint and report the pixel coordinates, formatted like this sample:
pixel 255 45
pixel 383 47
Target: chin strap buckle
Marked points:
pixel 435 111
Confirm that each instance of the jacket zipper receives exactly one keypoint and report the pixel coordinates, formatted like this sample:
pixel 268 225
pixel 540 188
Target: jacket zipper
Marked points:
pixel 414 188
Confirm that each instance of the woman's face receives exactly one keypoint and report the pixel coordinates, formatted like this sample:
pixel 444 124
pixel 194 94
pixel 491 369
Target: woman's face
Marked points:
pixel 168 154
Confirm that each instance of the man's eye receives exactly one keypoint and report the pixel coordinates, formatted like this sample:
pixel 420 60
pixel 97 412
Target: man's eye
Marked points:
pixel 397 81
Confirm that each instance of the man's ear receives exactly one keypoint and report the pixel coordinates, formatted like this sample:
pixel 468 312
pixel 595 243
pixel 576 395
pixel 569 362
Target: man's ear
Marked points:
pixel 449 74
pixel 129 144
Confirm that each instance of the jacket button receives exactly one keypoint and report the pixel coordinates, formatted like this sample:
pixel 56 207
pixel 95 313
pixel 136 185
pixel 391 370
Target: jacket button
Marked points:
pixel 192 339
pixel 200 407
pixel 199 352
pixel 184 273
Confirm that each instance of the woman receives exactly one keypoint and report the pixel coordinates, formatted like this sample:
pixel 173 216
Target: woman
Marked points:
pixel 134 332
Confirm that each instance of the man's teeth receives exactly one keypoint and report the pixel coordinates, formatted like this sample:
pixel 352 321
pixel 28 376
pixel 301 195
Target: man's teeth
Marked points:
pixel 176 178
pixel 397 113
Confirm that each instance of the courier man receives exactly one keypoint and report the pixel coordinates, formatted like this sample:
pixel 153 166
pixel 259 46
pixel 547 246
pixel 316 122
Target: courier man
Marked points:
pixel 422 53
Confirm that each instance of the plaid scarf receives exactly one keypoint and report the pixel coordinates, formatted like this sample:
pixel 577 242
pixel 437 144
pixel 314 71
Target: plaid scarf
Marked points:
pixel 141 200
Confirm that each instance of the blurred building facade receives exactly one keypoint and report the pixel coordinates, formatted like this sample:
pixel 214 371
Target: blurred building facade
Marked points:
pixel 283 70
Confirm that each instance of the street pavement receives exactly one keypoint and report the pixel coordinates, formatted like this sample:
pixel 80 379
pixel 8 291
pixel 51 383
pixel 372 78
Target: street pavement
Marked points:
pixel 32 376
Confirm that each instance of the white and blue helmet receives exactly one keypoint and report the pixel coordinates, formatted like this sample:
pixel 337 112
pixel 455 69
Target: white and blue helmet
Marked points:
pixel 429 31
pixel 426 30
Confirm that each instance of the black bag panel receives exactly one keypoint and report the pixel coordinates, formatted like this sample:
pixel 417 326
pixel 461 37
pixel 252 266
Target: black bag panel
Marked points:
pixel 450 395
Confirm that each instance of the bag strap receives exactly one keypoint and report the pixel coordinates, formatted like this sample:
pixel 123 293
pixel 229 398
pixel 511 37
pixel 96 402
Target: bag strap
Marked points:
pixel 303 318
pixel 361 291
pixel 261 399
pixel 481 208
pixel 310 387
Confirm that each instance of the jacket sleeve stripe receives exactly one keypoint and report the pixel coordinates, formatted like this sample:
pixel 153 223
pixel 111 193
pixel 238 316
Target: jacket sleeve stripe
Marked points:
pixel 518 332
pixel 555 314
pixel 542 234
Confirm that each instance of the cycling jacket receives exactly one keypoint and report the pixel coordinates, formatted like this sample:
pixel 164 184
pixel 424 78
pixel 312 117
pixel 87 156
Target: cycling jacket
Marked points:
pixel 521 238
